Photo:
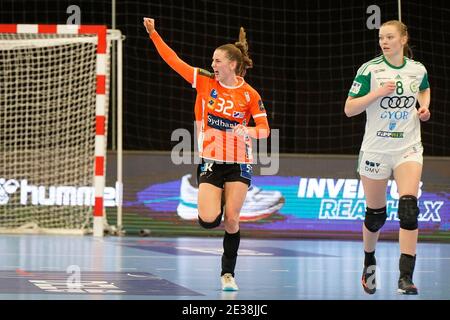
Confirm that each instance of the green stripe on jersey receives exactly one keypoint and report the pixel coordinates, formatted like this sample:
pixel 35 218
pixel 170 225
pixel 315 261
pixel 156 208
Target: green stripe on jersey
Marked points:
pixel 377 60
pixel 360 86
pixel 424 84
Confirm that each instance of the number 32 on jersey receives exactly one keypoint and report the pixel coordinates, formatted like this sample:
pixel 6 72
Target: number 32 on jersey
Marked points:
pixel 224 106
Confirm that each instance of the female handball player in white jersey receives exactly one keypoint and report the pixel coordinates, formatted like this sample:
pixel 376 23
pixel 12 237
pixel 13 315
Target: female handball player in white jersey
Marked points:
pixel 388 89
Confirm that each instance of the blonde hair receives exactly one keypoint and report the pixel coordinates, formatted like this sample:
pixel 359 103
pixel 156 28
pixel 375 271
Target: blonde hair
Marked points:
pixel 403 29
pixel 239 52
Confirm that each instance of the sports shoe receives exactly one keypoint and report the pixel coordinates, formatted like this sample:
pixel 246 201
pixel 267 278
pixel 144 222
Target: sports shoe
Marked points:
pixel 258 203
pixel 368 279
pixel 406 286
pixel 228 283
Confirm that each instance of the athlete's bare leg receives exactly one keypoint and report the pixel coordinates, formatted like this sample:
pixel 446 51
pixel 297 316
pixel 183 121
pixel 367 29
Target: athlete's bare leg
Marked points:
pixel 235 193
pixel 209 201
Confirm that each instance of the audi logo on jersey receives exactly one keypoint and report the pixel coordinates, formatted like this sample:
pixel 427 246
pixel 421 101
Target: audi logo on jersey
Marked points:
pixel 397 102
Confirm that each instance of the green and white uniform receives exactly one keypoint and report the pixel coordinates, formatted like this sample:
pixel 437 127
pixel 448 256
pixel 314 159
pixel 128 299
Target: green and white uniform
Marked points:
pixel 392 121
pixel 392 134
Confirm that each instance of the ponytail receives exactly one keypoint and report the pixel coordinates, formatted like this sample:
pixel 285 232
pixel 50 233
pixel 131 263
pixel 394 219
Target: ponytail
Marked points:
pixel 239 52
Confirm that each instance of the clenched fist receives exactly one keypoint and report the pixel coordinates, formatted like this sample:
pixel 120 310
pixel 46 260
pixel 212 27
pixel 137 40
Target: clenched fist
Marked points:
pixel 149 25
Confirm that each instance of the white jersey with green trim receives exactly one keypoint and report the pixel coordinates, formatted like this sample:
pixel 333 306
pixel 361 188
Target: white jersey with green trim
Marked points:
pixel 392 122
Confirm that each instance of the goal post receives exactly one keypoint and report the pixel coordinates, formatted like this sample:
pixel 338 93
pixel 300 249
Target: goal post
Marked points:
pixel 54 96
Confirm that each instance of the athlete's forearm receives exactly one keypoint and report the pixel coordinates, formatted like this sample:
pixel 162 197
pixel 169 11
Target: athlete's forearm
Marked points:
pixel 354 106
pixel 261 130
pixel 424 98
pixel 172 59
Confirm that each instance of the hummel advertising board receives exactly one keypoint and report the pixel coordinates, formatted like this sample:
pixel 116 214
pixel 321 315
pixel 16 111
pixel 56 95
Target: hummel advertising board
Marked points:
pixel 309 196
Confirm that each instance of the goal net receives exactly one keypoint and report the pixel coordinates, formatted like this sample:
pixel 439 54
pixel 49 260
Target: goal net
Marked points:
pixel 53 107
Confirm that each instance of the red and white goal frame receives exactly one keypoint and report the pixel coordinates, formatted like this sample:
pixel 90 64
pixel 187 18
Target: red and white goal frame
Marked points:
pixel 101 70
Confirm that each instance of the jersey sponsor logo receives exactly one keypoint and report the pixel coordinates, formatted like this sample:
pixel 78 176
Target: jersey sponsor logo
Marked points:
pixel 392 125
pixel 212 101
pixel 397 102
pixel 356 86
pixel 390 134
pixel 379 70
pixel 372 167
pixel 238 115
pixel 394 115
pixel 414 86
pixel 247 96
pixel 261 105
pixel 220 123
pixel 372 164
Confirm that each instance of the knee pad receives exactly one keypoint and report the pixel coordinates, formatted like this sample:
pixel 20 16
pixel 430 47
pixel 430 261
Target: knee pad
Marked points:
pixel 408 212
pixel 210 225
pixel 375 219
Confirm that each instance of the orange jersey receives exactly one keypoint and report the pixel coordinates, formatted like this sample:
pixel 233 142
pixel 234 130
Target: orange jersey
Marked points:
pixel 218 108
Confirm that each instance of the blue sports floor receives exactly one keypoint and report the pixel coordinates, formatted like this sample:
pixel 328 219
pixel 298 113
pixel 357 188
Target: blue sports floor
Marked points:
pixel 46 267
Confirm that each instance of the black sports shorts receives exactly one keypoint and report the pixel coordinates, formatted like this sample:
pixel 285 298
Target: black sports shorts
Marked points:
pixel 219 173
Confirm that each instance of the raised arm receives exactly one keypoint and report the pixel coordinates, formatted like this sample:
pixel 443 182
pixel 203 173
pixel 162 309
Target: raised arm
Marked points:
pixel 168 55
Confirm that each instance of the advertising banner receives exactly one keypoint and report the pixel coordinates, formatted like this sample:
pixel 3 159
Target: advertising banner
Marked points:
pixel 310 196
